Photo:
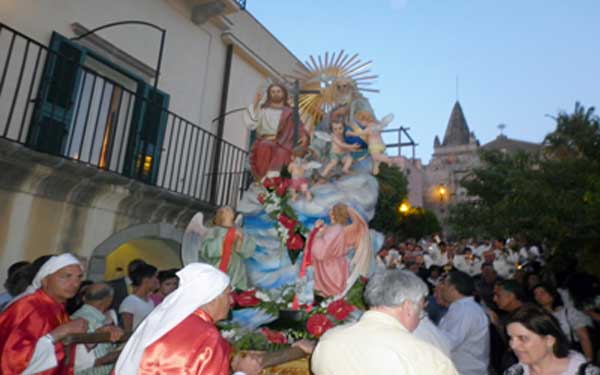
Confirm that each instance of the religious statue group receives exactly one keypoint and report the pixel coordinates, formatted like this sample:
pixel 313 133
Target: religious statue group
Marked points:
pixel 345 141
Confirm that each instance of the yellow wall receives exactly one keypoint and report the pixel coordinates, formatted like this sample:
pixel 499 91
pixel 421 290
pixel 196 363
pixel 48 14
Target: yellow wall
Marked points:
pixel 160 253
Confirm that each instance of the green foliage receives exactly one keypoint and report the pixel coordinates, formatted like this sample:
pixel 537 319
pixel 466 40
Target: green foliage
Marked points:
pixel 553 197
pixel 393 189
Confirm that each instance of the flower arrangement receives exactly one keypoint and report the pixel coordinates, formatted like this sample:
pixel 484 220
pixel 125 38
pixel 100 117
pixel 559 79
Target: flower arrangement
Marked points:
pixel 275 201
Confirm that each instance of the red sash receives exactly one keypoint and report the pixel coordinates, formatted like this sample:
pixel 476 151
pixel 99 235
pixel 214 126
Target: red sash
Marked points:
pixel 227 249
pixel 306 261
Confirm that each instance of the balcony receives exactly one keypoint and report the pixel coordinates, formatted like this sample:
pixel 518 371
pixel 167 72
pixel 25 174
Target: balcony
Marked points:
pixel 59 100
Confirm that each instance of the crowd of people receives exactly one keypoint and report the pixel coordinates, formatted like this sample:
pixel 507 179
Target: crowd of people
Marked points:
pixel 468 308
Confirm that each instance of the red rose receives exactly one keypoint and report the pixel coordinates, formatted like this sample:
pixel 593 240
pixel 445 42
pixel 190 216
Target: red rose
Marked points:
pixel 364 280
pixel 339 309
pixel 295 242
pixel 246 299
pixel 274 337
pixel 287 222
pixel 277 180
pixel 318 324
pixel 261 198
pixel 281 189
pixel 269 183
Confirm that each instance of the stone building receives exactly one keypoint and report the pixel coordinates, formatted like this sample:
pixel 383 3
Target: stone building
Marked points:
pixel 107 150
pixel 436 185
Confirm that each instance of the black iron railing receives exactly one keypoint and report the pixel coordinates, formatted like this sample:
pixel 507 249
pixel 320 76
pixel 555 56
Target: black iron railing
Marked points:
pixel 66 101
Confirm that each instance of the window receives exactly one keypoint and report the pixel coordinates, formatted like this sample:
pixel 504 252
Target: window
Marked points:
pixel 92 110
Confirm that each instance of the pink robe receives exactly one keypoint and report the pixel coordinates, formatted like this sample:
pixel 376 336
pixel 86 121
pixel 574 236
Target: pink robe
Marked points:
pixel 329 255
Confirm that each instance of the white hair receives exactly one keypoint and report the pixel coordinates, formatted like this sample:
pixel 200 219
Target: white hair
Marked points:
pixel 392 288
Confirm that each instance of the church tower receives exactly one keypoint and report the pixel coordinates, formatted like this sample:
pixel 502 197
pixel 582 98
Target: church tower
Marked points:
pixel 452 159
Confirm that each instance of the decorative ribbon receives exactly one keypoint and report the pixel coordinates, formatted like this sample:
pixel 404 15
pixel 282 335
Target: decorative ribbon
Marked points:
pixel 227 249
pixel 306 261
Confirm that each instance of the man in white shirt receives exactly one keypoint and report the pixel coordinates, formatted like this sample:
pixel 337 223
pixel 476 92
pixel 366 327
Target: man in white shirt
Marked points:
pixel 466 326
pixel 138 305
pixel 381 342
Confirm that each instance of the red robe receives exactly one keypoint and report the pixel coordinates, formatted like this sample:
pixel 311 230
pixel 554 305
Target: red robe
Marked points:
pixel 22 324
pixel 194 347
pixel 272 154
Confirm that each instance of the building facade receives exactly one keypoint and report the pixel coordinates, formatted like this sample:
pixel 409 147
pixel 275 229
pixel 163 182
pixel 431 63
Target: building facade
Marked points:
pixel 108 146
pixel 436 186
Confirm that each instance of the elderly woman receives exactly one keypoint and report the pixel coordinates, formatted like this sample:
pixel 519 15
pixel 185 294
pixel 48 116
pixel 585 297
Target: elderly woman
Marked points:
pixel 572 321
pixel 541 346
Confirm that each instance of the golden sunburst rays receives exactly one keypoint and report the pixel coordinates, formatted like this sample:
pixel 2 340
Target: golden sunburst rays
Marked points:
pixel 318 74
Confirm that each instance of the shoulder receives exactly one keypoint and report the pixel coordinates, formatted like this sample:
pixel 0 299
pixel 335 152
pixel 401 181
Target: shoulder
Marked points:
pixel 516 369
pixel 130 302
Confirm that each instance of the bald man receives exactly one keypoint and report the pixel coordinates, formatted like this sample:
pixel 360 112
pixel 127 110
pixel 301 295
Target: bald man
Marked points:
pixel 100 359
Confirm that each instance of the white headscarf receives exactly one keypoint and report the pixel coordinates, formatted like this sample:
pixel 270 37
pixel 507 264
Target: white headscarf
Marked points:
pixel 199 283
pixel 52 265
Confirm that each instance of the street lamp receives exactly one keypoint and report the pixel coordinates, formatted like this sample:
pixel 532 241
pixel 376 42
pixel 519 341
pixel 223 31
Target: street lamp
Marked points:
pixel 404 208
pixel 442 191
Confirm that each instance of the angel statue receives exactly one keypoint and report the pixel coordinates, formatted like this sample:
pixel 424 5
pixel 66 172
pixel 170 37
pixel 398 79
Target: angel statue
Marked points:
pixel 334 275
pixel 298 168
pixel 223 245
pixel 376 146
pixel 340 150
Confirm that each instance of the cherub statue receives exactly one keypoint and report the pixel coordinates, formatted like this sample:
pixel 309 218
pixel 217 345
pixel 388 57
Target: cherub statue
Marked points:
pixel 340 150
pixel 298 168
pixel 223 245
pixel 376 146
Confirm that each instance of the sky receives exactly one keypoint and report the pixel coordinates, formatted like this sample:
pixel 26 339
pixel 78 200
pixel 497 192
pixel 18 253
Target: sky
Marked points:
pixel 517 61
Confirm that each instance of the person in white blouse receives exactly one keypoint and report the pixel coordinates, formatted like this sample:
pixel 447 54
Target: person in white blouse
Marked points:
pixel 465 325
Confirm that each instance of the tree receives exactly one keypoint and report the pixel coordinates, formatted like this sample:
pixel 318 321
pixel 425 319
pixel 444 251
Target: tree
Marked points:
pixel 393 190
pixel 553 197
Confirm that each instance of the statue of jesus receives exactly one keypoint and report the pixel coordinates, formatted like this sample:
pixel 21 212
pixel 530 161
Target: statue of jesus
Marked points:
pixel 274 124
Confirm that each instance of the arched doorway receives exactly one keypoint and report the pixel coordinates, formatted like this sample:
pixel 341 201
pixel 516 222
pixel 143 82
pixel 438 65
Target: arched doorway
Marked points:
pixel 157 244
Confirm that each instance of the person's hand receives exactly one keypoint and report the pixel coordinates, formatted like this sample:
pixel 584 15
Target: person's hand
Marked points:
pixel 493 317
pixel 307 346
pixel 319 223
pixel 74 326
pixel 239 236
pixel 355 147
pixel 248 363
pixel 115 332
pixel 258 96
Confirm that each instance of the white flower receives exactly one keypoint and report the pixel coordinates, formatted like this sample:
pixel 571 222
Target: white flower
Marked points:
pixel 262 296
pixel 271 207
pixel 229 334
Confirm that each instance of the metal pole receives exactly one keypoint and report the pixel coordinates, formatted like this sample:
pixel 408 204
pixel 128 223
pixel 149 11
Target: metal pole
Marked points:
pixel 296 110
pixel 160 56
pixel 134 22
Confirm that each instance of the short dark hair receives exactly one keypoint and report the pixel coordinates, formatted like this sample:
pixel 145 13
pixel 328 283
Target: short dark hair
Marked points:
pixel 133 265
pixel 167 274
pixel 542 323
pixel 462 282
pixel 556 298
pixel 144 271
pixel 15 266
pixel 487 264
pixel 513 286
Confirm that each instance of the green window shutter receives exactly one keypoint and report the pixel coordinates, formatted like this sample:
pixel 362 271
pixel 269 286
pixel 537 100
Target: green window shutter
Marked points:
pixel 57 93
pixel 146 135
